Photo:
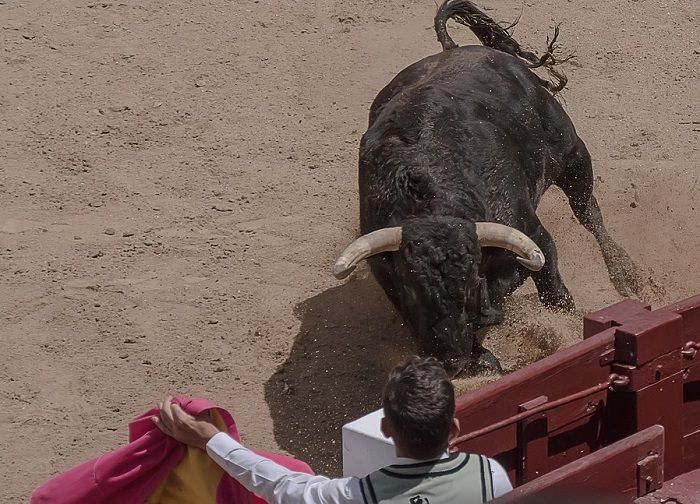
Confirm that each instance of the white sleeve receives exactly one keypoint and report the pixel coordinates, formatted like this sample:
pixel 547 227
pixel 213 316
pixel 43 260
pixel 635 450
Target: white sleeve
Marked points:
pixel 277 484
pixel 499 477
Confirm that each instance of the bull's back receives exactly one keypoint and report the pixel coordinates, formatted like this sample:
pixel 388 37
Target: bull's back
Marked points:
pixel 464 70
pixel 475 104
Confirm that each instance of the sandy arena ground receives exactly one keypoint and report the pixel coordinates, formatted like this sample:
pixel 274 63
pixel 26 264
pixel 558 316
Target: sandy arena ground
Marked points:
pixel 177 177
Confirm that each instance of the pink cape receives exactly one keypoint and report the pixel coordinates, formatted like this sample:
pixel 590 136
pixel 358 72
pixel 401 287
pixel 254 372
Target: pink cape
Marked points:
pixel 133 472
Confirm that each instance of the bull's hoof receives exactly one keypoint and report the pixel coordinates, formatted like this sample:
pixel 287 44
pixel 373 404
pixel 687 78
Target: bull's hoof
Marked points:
pixel 488 318
pixel 624 273
pixel 485 362
pixel 455 367
pixel 482 361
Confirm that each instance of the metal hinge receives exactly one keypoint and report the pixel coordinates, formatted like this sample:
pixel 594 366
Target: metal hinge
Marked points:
pixel 690 349
pixel 650 474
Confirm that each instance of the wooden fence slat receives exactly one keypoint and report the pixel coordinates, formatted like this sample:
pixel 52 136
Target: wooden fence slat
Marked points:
pixel 616 470
pixel 553 377
pixel 612 316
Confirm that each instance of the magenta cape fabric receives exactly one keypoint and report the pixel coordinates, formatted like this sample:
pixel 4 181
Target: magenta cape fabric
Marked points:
pixel 132 473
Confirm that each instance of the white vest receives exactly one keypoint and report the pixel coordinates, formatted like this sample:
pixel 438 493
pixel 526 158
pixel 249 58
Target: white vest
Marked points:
pixel 459 479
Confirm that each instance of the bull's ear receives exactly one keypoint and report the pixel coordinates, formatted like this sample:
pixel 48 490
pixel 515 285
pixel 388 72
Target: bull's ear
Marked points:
pixel 376 242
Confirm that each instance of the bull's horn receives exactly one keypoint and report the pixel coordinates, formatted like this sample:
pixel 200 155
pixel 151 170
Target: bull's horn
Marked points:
pixel 497 235
pixel 376 242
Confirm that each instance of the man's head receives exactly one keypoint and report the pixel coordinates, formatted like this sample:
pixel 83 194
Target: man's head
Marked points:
pixel 419 407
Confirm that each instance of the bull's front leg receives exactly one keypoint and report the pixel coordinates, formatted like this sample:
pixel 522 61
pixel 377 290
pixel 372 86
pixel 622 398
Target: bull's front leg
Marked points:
pixel 550 286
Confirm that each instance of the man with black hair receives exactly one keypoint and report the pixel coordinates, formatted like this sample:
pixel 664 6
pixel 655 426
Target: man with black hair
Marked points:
pixel 419 405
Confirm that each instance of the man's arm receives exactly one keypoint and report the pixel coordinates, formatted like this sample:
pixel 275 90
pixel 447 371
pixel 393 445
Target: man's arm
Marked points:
pixel 274 483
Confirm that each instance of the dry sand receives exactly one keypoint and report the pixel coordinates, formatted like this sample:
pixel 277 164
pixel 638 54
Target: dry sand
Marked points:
pixel 177 177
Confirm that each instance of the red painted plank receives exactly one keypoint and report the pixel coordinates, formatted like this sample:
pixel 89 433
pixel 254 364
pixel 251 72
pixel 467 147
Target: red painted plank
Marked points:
pixel 647 336
pixel 564 373
pixel 610 471
pixel 612 316
pixel 691 451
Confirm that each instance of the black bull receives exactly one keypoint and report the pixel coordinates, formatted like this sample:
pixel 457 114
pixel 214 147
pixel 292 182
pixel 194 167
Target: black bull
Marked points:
pixel 460 148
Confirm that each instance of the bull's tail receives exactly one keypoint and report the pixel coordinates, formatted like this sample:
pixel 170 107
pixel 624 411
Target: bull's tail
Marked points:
pixel 493 35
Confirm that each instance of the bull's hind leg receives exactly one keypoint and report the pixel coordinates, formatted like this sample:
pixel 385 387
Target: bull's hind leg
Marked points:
pixel 577 183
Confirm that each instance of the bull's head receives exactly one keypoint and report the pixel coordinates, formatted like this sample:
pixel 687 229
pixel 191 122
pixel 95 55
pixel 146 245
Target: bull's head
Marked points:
pixel 438 287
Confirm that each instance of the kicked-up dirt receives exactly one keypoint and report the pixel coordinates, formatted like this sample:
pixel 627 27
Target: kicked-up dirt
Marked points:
pixel 176 179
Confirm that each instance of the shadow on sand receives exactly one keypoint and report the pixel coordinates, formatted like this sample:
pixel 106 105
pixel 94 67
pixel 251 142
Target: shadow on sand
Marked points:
pixel 350 337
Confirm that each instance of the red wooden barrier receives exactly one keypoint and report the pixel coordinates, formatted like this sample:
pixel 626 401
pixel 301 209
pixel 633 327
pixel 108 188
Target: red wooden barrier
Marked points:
pixel 623 470
pixel 635 368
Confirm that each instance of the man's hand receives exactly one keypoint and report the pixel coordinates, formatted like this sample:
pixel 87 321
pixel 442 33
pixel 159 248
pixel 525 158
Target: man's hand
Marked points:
pixel 192 431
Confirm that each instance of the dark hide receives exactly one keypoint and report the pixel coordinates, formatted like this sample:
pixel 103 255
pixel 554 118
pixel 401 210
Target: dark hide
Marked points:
pixel 467 135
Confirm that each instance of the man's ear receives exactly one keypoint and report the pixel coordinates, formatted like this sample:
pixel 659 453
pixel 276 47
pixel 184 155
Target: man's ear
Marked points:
pixel 386 428
pixel 454 429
